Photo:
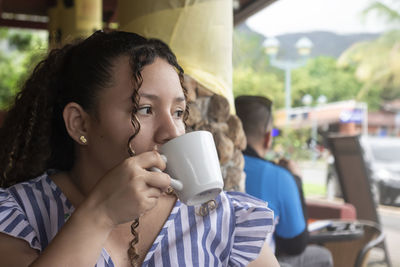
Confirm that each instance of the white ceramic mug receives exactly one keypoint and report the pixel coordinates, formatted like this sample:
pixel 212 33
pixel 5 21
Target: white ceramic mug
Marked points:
pixel 192 163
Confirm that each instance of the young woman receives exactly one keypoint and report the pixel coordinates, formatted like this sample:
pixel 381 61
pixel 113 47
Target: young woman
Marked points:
pixel 76 149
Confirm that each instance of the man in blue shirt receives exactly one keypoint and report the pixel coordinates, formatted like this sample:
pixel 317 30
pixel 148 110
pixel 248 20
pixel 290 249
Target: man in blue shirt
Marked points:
pixel 278 186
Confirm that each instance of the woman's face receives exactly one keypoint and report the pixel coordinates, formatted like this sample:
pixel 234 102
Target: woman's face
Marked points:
pixel 161 108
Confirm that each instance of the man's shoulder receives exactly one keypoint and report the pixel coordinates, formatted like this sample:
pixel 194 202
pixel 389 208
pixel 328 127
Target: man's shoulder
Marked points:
pixel 268 168
pixel 258 161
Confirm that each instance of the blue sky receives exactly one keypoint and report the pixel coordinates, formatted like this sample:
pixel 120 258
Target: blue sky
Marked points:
pixel 339 16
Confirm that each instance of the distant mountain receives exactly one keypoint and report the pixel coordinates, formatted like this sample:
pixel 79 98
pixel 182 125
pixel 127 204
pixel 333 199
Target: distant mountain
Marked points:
pixel 325 43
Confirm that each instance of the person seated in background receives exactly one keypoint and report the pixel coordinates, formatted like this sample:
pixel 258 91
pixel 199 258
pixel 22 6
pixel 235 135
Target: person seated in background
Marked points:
pixel 278 186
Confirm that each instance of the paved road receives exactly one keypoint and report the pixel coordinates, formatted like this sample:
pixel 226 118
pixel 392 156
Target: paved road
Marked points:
pixel 390 218
pixel 315 173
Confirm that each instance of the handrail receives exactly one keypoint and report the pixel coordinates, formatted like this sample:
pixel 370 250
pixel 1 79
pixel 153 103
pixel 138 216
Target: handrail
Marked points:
pixel 371 244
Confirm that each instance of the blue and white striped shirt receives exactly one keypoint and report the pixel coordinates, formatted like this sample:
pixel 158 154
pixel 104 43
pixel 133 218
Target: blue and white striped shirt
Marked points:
pixel 231 235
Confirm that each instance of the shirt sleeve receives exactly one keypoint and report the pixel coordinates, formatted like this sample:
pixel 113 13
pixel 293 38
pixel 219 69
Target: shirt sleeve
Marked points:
pixel 253 223
pixel 14 222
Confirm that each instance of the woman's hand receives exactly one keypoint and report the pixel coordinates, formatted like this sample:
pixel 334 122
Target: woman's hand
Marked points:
pixel 129 190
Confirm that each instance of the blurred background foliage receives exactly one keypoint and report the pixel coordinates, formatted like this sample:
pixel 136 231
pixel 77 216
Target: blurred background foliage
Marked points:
pixel 368 71
pixel 377 66
pixel 291 144
pixel 20 51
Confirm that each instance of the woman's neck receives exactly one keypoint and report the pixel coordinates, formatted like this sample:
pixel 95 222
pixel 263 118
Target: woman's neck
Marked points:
pixel 77 183
pixel 68 187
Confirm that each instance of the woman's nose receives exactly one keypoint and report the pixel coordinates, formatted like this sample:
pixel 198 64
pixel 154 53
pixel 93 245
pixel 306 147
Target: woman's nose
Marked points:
pixel 168 129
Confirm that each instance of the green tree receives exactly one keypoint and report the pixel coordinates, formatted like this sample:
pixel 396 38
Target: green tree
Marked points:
pixel 252 73
pixel 322 76
pixel 9 74
pixel 249 82
pixel 377 67
pixel 377 63
pixel 389 13
pixel 248 51
pixel 20 50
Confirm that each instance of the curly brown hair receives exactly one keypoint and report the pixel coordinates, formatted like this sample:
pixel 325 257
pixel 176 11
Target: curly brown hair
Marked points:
pixel 34 138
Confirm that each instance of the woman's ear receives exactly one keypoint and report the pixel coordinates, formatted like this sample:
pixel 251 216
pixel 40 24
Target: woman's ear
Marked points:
pixel 76 122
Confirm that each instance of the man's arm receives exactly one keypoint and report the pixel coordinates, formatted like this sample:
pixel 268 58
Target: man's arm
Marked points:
pixel 299 184
pixel 291 246
pixel 293 220
pixel 294 170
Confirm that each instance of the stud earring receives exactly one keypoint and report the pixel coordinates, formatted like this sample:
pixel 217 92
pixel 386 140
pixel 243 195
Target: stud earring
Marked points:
pixel 83 139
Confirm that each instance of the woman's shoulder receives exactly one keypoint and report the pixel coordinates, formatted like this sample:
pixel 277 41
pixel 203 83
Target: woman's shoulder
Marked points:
pixel 33 210
pixel 253 223
pixel 16 203
pixel 38 189
pixel 250 209
pixel 19 191
pixel 242 200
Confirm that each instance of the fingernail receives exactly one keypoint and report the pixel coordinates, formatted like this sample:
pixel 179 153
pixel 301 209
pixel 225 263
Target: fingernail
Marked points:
pixel 164 158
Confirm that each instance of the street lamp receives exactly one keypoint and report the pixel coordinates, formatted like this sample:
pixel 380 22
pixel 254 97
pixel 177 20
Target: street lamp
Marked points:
pixel 303 46
pixel 307 101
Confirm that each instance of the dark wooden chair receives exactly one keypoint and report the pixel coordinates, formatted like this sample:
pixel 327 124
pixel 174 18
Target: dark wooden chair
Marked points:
pixel 354 180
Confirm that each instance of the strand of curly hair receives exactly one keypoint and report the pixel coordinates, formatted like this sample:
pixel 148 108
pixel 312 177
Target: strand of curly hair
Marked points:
pixel 146 56
pixel 25 136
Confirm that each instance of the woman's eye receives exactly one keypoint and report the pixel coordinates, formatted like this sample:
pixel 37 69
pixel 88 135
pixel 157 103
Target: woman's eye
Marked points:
pixel 145 110
pixel 179 113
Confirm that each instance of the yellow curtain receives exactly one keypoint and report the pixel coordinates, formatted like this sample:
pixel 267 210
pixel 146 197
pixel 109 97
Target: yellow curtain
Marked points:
pixel 199 32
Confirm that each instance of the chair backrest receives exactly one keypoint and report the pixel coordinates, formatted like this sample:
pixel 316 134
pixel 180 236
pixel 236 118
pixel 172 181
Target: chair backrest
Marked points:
pixel 354 253
pixel 354 179
pixel 353 175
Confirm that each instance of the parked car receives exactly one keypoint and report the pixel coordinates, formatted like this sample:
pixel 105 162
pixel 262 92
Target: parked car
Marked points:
pixel 382 157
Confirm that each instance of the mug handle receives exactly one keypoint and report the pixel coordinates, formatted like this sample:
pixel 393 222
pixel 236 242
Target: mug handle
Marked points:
pixel 176 184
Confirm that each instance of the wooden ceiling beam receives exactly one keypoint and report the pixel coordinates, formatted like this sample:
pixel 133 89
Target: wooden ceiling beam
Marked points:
pixel 250 9
pixel 12 23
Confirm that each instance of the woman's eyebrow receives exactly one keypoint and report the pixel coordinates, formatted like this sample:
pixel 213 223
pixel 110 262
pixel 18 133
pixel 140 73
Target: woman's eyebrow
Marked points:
pixel 178 99
pixel 149 96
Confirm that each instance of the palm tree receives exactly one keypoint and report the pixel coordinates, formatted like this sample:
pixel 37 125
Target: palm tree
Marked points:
pixel 389 14
pixel 377 62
